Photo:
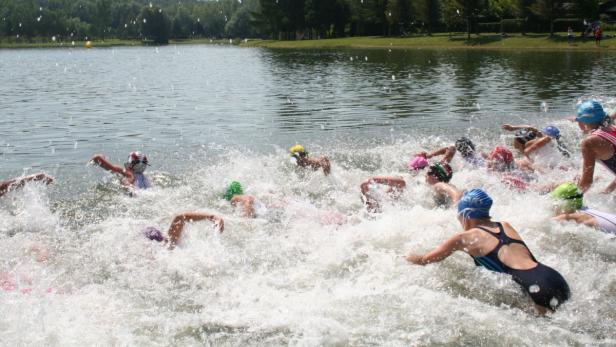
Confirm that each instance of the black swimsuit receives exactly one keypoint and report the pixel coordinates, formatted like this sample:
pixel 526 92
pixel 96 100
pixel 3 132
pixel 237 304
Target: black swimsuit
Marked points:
pixel 545 285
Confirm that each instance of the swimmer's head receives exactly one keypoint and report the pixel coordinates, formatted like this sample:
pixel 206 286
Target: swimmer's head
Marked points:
pixel 475 204
pixel 298 151
pixel 501 159
pixel 234 188
pixel 417 163
pixel 590 112
pixel 465 147
pixel 153 234
pixel 521 137
pixel 439 173
pixel 551 131
pixel 136 162
pixel 569 196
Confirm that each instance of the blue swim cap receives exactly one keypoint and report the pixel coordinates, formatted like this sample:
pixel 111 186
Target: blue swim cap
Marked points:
pixel 551 131
pixel 153 234
pixel 590 112
pixel 475 203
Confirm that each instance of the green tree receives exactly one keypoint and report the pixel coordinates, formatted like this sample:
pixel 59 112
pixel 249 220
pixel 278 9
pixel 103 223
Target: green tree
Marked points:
pixel 240 24
pixel 587 9
pixel 154 25
pixel 547 10
pixel 427 12
pixel 398 13
pixel 102 19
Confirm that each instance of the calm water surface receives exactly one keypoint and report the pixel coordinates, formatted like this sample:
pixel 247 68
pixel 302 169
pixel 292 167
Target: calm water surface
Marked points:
pixel 206 115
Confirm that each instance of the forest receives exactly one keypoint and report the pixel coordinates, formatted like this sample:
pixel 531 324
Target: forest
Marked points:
pixel 159 21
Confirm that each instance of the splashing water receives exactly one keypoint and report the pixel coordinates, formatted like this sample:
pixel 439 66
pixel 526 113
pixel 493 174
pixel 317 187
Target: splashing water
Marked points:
pixel 314 269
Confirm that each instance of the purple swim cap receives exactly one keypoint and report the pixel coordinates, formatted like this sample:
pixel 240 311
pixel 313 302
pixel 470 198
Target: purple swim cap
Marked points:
pixel 417 163
pixel 153 234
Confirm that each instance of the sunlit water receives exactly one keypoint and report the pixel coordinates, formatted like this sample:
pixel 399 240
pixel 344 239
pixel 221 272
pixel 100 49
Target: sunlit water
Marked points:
pixel 76 271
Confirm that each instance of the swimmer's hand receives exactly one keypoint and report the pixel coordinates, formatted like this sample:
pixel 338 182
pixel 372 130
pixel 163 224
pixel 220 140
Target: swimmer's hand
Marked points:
pixel 219 224
pixel 96 159
pixel 415 259
pixel 507 127
pixel 422 154
pixel 42 177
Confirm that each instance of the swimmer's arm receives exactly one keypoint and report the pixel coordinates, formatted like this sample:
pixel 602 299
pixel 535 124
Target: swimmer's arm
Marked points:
pixel 180 219
pixel 588 165
pixel 247 203
pixel 325 165
pixel 610 188
pixel 441 252
pixel 99 160
pixel 511 127
pixel 394 182
pixel 449 190
pixel 15 183
pixel 536 144
pixel 448 152
pixel 579 218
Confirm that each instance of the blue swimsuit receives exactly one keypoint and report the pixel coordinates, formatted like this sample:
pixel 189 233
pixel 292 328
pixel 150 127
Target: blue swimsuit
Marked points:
pixel 141 181
pixel 545 285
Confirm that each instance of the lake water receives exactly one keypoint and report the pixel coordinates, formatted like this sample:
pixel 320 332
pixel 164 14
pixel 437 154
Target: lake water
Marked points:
pixel 206 115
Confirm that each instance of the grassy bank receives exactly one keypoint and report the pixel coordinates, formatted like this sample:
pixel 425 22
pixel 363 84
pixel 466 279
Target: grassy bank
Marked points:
pixel 484 41
pixel 441 41
pixel 39 43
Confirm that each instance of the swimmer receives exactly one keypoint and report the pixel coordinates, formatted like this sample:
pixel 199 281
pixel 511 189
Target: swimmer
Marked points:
pixel 438 177
pixel 132 173
pixel 498 247
pixel 177 227
pixel 464 146
pixel 395 185
pixel 571 208
pixel 418 163
pixel 15 183
pixel 500 161
pixel 599 145
pixel 542 149
pixel 250 206
pixel 301 158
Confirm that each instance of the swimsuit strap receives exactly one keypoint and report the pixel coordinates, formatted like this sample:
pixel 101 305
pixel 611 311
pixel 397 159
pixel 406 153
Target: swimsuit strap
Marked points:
pixel 504 239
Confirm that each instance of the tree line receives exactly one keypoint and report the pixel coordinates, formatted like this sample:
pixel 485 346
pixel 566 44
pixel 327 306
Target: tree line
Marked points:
pixel 160 20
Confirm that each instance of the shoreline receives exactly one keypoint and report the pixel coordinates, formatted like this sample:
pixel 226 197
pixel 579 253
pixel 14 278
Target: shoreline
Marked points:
pixel 492 41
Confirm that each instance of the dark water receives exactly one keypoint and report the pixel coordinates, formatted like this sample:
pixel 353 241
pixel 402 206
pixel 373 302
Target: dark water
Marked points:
pixel 206 115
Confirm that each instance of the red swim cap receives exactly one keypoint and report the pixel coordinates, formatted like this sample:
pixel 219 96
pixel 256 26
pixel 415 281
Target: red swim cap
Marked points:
pixel 501 154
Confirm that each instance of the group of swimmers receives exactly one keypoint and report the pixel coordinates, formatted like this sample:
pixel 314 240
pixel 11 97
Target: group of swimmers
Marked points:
pixel 494 245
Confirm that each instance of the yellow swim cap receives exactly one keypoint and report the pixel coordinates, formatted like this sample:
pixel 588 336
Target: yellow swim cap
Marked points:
pixel 297 150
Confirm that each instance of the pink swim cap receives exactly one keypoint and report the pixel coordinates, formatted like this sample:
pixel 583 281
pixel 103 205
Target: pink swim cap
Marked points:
pixel 417 163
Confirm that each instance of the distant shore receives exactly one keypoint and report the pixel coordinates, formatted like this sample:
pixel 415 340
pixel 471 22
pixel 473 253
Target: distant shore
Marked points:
pixel 438 41
pixel 444 41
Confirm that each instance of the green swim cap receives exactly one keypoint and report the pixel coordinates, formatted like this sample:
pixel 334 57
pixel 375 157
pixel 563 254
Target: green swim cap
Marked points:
pixel 574 199
pixel 234 188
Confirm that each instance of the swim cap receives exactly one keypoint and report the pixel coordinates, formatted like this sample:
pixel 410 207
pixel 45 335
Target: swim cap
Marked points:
pixel 442 172
pixel 153 234
pixel 590 112
pixel 551 131
pixel 574 199
pixel 417 163
pixel 465 146
pixel 475 203
pixel 501 154
pixel 298 150
pixel 523 136
pixel 136 161
pixel 234 188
